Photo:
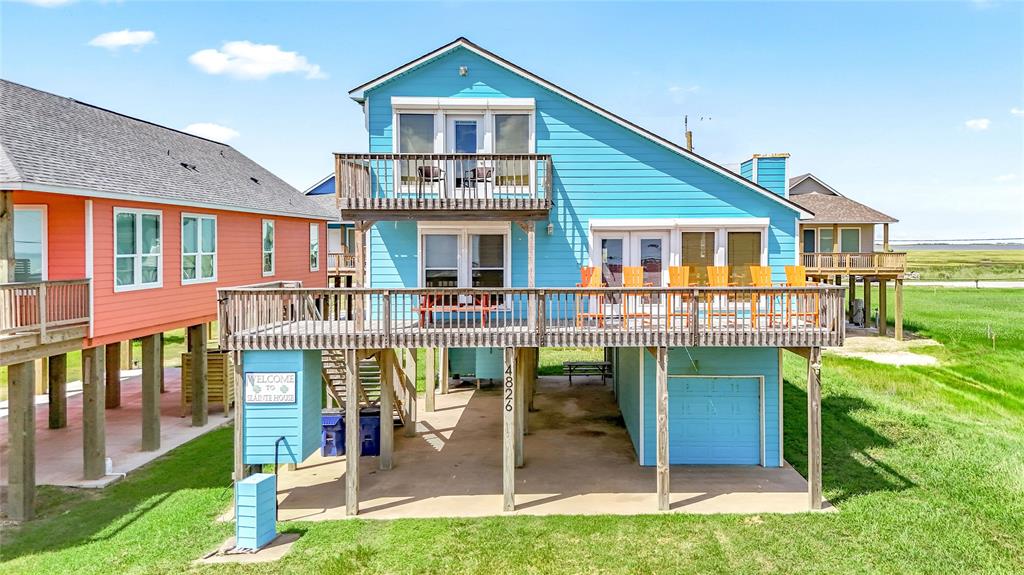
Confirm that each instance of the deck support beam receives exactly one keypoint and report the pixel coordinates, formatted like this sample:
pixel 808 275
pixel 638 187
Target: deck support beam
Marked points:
pixel 58 390
pixel 431 380
pixel 409 383
pixel 21 433
pixel 197 348
pixel 661 399
pixel 898 320
pixel 352 433
pixel 508 410
pixel 151 369
pixel 883 329
pixel 387 360
pixel 94 425
pixel 113 372
pixel 814 427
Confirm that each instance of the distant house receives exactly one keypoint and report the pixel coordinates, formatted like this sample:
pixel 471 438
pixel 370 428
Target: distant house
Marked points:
pixel 340 235
pixel 840 241
pixel 115 228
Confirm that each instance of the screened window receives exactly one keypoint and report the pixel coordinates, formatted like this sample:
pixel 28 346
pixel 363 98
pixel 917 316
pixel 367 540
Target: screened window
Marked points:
pixel 441 260
pixel 314 247
pixel 824 239
pixel 29 244
pixel 137 250
pixel 416 133
pixel 487 267
pixel 198 248
pixel 698 253
pixel 849 240
pixel 268 247
pixel 512 136
pixel 744 251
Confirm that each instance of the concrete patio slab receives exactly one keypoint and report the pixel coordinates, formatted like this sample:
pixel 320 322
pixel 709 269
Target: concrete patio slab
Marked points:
pixel 273 551
pixel 579 460
pixel 59 451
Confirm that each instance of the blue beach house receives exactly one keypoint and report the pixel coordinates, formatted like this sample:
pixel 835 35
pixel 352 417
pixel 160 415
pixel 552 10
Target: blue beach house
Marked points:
pixel 497 213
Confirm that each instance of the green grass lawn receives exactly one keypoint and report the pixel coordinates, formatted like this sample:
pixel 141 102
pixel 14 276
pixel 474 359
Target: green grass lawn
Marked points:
pixel 926 466
pixel 967 264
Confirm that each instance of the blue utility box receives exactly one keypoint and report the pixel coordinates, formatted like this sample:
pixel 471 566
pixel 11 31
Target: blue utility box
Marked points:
pixel 255 511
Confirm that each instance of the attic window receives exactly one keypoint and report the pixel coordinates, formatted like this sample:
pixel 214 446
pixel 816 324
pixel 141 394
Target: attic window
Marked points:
pixel 189 166
pixel 254 180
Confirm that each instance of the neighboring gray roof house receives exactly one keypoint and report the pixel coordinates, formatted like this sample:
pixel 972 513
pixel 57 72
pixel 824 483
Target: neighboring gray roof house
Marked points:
pixel 829 206
pixel 50 143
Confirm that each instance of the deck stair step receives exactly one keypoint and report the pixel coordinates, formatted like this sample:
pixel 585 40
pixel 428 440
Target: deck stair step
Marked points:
pixel 333 372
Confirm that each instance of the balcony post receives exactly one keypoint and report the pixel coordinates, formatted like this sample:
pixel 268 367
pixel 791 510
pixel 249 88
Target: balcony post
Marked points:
pixel 885 237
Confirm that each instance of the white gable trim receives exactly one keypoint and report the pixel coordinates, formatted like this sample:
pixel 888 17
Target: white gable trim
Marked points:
pixel 817 179
pixel 359 92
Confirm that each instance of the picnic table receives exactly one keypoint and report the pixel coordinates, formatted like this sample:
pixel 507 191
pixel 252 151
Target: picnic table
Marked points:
pixel 602 368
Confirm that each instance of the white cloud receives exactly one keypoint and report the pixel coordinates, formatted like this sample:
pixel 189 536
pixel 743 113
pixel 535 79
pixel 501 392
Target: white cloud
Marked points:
pixel 212 131
pixel 121 38
pixel 47 3
pixel 246 60
pixel 1005 178
pixel 1017 111
pixel 978 124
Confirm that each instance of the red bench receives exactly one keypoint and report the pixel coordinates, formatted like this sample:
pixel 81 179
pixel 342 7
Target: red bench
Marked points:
pixel 449 303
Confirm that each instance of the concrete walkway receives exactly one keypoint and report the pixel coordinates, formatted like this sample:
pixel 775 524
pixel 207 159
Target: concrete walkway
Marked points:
pixel 579 460
pixel 59 451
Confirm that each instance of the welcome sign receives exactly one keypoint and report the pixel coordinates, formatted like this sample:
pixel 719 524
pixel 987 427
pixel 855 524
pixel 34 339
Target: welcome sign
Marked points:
pixel 270 387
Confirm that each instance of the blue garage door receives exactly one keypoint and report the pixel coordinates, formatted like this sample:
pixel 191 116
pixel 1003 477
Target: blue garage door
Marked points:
pixel 714 420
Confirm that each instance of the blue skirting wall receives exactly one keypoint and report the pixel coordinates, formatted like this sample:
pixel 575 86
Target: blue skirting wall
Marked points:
pixel 298 422
pixel 714 410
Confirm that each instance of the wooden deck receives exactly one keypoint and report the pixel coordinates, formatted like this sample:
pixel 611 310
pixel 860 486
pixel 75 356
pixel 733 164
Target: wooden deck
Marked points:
pixel 262 318
pixel 890 264
pixel 443 186
pixel 38 319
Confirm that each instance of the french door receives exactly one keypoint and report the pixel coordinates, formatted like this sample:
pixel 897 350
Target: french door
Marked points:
pixel 649 250
pixel 465 135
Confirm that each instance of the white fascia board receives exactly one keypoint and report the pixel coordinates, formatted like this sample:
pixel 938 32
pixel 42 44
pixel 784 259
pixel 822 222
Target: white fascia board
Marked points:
pixel 72 191
pixel 426 103
pixel 662 223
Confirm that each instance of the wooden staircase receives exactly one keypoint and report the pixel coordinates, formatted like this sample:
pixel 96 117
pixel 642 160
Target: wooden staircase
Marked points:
pixel 333 371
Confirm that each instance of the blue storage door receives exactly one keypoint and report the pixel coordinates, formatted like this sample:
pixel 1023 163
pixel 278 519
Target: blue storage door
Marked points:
pixel 714 420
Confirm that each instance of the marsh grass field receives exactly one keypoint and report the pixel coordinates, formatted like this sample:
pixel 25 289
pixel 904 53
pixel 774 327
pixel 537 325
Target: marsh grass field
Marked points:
pixel 938 265
pixel 924 464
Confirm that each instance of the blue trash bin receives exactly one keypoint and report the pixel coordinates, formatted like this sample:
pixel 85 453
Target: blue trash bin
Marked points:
pixel 369 425
pixel 332 434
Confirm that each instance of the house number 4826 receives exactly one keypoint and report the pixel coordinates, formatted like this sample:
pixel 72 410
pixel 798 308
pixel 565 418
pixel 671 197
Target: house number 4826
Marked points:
pixel 508 389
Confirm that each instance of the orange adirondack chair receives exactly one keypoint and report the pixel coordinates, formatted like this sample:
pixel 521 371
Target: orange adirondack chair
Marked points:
pixel 596 311
pixel 718 276
pixel 678 276
pixel 586 272
pixel 761 277
pixel 796 276
pixel 632 277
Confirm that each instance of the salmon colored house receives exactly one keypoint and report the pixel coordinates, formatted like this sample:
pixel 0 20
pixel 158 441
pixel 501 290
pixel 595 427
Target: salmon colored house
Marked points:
pixel 115 229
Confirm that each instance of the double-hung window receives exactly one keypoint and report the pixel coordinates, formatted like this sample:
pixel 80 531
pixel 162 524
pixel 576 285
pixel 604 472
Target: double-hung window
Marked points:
pixel 198 248
pixel 314 247
pixel 138 256
pixel 268 247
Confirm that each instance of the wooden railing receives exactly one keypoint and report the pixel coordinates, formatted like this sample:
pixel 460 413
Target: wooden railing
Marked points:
pixel 314 318
pixel 39 307
pixel 343 260
pixel 376 185
pixel 857 263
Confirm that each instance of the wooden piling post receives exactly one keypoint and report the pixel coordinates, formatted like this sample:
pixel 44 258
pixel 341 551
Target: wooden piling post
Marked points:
pixel 151 369
pixel 519 396
pixel 387 408
pixel 898 320
pixel 853 296
pixel 200 409
pixel 58 390
pixel 163 387
pixel 353 437
pixel 444 371
pixel 431 380
pixel 508 410
pixel 94 432
pixel 814 427
pixel 239 383
pixel 867 301
pixel 113 373
pixel 882 312
pixel 410 397
pixel 21 434
pixel 661 397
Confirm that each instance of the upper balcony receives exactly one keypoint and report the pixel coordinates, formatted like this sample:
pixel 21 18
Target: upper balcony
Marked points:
pixel 892 264
pixel 38 319
pixel 389 186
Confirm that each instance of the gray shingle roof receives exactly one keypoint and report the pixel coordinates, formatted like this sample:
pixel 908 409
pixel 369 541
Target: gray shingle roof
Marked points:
pixel 328 203
pixel 829 209
pixel 49 140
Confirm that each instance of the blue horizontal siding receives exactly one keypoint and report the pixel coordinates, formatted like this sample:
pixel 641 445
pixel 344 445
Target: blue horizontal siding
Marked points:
pixel 298 423
pixel 771 174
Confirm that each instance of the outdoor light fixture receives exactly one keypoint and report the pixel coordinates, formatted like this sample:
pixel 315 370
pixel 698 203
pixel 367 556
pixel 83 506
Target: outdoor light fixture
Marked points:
pixel 463 70
pixel 551 229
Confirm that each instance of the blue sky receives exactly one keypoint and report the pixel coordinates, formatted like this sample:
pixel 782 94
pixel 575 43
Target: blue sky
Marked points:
pixel 916 109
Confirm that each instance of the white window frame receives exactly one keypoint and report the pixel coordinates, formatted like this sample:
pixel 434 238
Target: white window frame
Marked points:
pixel 199 247
pixel 273 248
pixel 314 232
pixel 138 213
pixel 463 231
pixel 44 218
